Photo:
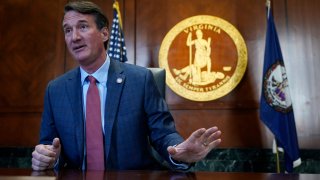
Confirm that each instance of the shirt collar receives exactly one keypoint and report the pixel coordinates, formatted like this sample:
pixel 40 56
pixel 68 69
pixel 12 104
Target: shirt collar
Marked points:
pixel 101 75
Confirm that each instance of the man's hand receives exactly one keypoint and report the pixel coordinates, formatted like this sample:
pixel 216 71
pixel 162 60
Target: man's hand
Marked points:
pixel 45 156
pixel 197 146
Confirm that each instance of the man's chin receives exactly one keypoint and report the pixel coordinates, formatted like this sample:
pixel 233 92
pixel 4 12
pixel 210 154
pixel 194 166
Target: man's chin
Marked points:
pixel 80 57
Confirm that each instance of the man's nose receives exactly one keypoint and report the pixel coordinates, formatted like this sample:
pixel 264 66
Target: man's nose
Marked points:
pixel 75 35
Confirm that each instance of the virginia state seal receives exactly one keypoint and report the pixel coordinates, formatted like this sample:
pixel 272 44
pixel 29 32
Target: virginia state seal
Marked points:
pixel 276 89
pixel 205 58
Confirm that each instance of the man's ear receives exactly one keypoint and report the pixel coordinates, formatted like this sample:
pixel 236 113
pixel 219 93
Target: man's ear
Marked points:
pixel 105 34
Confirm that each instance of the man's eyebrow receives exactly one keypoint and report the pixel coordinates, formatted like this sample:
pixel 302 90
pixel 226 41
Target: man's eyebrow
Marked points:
pixel 80 21
pixel 65 25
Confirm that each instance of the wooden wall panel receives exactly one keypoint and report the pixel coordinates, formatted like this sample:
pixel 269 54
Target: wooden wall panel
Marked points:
pixel 19 129
pixel 28 47
pixel 31 53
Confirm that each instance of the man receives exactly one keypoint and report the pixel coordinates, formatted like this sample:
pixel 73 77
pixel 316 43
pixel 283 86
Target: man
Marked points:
pixel 133 113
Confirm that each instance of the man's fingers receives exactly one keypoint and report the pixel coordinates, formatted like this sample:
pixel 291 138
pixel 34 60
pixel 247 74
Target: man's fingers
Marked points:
pixel 210 135
pixel 214 139
pixel 214 136
pixel 40 163
pixel 198 133
pixel 215 143
pixel 209 132
pixel 204 133
pixel 42 158
pixel 45 150
pixel 38 168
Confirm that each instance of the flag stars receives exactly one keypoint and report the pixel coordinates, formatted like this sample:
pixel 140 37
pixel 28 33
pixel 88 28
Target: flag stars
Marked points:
pixel 117 47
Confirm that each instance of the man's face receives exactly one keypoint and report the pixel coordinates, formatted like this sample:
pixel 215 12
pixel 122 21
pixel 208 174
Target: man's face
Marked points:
pixel 84 40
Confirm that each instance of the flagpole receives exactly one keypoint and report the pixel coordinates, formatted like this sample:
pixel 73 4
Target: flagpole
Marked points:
pixel 116 6
pixel 268 4
pixel 277 156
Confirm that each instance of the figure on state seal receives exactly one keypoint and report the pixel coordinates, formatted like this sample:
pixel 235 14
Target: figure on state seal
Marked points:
pixel 199 70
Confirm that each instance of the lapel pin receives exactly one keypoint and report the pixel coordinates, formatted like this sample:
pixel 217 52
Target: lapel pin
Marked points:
pixel 119 80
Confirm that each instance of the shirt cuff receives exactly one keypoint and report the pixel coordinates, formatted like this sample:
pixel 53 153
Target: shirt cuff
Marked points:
pixel 56 164
pixel 179 165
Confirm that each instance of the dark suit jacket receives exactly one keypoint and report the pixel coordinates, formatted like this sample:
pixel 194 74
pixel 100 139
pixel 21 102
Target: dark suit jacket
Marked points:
pixel 135 117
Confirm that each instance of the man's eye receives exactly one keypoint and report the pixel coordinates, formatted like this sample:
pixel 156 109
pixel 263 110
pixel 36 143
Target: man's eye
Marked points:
pixel 83 27
pixel 67 30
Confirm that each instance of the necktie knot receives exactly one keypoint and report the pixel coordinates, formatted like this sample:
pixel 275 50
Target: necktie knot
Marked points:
pixel 91 79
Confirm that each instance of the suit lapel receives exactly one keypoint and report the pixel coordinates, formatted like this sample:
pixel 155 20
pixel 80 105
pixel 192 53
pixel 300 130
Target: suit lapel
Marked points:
pixel 74 91
pixel 115 85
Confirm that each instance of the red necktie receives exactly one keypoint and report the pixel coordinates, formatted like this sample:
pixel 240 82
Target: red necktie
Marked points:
pixel 94 135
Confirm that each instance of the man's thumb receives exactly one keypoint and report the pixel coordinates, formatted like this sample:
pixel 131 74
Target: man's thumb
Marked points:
pixel 56 143
pixel 171 150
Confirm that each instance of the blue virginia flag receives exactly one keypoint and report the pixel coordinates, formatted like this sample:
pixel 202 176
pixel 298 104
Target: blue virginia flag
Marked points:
pixel 117 47
pixel 276 106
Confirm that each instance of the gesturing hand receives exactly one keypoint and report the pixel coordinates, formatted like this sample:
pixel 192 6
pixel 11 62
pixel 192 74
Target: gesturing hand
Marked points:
pixel 197 146
pixel 45 156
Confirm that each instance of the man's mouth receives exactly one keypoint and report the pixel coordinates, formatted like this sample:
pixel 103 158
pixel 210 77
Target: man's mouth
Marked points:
pixel 78 48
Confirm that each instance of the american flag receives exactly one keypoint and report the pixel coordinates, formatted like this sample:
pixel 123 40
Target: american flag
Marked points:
pixel 117 47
